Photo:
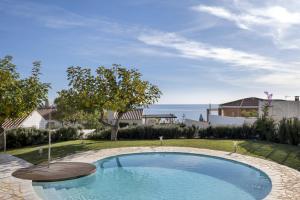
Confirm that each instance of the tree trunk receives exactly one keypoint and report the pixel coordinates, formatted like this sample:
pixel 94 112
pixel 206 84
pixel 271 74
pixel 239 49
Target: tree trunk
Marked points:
pixel 114 133
pixel 115 128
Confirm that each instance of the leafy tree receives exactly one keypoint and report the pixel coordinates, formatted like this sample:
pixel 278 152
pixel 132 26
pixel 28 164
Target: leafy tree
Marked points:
pixel 265 126
pixel 65 111
pixel 116 88
pixel 19 96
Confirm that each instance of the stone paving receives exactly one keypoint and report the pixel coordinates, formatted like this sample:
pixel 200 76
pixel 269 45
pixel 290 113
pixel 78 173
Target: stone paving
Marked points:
pixel 285 180
pixel 12 188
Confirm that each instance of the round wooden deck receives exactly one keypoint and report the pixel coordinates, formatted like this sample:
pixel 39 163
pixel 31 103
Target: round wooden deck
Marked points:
pixel 57 171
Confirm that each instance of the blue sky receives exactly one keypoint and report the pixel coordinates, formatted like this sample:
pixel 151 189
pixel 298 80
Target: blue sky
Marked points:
pixel 195 51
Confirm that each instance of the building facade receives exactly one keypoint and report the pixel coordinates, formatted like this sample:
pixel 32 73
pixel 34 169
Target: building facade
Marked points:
pixel 33 120
pixel 247 110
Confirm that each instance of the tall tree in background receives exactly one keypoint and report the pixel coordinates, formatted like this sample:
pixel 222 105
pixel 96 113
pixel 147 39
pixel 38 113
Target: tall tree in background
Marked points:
pixel 116 88
pixel 19 96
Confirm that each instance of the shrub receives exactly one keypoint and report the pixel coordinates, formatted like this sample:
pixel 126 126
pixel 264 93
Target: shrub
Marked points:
pixel 243 132
pixel 148 132
pixel 65 133
pixel 289 131
pixel 20 137
pixel 24 137
pixel 265 128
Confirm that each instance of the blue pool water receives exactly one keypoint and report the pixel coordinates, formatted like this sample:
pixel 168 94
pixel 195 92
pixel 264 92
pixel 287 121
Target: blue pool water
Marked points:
pixel 162 176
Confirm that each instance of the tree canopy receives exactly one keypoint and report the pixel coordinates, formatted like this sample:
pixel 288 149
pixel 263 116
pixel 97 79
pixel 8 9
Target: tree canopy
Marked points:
pixel 114 88
pixel 19 96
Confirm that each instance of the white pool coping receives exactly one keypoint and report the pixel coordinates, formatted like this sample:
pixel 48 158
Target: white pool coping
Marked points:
pixel 285 180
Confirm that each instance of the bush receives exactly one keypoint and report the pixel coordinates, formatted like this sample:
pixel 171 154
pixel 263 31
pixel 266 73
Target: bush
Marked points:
pixel 20 137
pixel 289 131
pixel 148 132
pixel 243 132
pixel 64 134
pixel 265 128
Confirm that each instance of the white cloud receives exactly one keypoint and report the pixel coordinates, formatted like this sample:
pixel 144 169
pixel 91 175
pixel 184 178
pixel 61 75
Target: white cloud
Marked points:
pixel 276 21
pixel 51 16
pixel 280 79
pixel 197 50
pixel 269 70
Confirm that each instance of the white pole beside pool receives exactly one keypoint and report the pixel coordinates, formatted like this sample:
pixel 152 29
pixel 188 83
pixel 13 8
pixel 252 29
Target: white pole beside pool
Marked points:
pixel 49 149
pixel 4 144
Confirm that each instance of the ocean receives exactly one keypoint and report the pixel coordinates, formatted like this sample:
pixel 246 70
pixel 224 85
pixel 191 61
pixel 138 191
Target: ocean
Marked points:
pixel 190 111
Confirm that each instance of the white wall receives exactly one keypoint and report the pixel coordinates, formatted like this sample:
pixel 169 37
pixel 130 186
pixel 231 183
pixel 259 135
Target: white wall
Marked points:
pixel 282 109
pixel 190 122
pixel 34 120
pixel 216 120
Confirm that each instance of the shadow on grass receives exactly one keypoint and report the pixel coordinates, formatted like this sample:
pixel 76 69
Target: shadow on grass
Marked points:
pixel 283 154
pixel 56 152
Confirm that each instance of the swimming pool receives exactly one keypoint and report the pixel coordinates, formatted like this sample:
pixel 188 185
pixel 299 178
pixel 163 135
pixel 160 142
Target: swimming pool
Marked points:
pixel 162 176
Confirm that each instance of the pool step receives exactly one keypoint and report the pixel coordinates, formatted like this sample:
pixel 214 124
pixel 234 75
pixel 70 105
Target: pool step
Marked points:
pixel 63 193
pixel 52 194
pixel 40 192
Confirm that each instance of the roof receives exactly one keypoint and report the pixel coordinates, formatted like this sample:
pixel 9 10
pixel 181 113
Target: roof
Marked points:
pixel 160 116
pixel 246 102
pixel 47 112
pixel 13 123
pixel 132 115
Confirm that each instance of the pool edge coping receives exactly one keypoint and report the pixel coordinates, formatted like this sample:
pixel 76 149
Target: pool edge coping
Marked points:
pixel 274 170
pixel 285 180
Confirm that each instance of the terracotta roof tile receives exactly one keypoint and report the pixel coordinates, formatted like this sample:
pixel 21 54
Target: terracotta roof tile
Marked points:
pixel 13 123
pixel 132 115
pixel 251 101
pixel 46 112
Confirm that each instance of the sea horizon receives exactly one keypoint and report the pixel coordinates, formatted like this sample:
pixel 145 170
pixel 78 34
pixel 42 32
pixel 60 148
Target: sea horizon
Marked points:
pixel 181 111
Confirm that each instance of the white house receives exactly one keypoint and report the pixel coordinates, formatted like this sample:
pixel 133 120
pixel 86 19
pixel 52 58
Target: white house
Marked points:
pixel 152 119
pixel 133 117
pixel 33 120
pixel 48 114
pixel 246 111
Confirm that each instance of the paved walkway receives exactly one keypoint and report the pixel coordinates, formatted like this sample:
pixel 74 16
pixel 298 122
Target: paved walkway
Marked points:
pixel 12 188
pixel 285 181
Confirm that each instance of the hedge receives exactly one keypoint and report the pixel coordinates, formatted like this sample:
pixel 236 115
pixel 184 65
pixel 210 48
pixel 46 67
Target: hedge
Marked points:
pixel 148 132
pixel 21 137
pixel 289 131
pixel 286 132
pixel 243 132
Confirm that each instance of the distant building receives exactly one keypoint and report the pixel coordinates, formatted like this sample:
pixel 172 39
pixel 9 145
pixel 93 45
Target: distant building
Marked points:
pixel 136 117
pixel 133 117
pixel 48 114
pixel 248 107
pixel 195 123
pixel 32 120
pixel 247 110
pixel 159 119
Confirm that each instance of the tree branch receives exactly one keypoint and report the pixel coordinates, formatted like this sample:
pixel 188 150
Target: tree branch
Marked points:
pixel 101 120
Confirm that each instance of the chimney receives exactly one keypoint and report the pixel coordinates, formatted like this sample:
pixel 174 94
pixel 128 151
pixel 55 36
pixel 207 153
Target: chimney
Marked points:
pixel 296 98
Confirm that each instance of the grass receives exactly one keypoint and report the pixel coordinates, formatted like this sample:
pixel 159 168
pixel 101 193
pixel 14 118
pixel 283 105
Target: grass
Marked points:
pixel 283 154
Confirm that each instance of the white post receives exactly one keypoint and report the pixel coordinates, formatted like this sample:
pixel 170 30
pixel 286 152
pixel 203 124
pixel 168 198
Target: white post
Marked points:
pixel 49 149
pixel 161 140
pixel 4 138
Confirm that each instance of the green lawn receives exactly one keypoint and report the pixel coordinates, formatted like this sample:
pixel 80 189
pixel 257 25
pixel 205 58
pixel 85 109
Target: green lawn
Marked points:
pixel 283 154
